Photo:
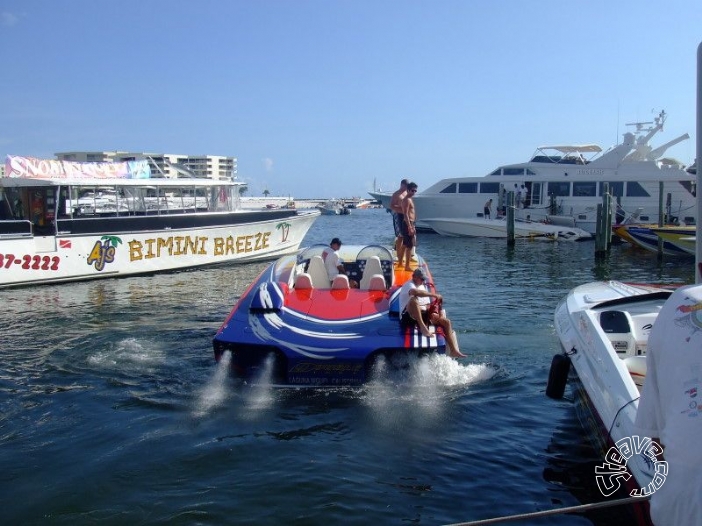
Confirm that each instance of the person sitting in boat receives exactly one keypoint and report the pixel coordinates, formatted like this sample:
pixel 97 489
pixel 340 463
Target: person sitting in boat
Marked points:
pixel 414 300
pixel 333 262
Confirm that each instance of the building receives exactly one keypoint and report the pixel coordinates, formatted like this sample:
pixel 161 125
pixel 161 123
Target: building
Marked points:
pixel 167 164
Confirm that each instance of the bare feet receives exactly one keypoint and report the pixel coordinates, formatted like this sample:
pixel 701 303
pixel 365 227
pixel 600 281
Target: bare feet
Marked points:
pixel 458 354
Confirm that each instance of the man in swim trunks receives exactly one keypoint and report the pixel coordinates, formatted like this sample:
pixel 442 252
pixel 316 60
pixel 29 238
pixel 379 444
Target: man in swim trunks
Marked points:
pixel 409 234
pixel 397 217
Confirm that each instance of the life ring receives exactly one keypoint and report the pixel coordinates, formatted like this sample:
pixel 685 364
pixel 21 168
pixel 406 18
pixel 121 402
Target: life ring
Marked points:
pixel 558 376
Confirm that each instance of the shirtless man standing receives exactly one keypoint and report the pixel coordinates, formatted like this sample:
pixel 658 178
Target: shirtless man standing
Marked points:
pixel 397 217
pixel 409 233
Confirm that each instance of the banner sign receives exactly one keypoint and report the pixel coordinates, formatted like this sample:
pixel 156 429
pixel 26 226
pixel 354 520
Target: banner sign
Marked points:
pixel 32 168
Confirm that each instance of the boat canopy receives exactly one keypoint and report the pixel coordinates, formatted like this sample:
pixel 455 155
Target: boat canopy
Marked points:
pixel 581 148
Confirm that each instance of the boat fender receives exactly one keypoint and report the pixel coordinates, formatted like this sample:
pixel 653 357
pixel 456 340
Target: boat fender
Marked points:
pixel 267 298
pixel 558 376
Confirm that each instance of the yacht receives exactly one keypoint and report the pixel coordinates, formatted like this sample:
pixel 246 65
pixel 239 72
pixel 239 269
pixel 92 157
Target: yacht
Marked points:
pixel 564 184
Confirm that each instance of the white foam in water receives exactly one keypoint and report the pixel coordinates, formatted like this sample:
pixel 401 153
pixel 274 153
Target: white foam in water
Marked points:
pixel 128 353
pixel 260 395
pixel 215 392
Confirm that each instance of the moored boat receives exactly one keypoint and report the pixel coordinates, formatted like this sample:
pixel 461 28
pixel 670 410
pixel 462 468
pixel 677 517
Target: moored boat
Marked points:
pixel 65 221
pixel 333 207
pixel 681 237
pixel 646 237
pixel 497 228
pixel 568 182
pixel 295 327
pixel 603 329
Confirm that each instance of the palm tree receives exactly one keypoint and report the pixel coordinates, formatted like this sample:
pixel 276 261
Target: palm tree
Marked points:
pixel 266 193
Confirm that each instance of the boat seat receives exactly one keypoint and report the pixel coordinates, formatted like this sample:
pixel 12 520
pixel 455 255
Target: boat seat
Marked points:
pixel 340 281
pixel 616 325
pixel 376 282
pixel 318 273
pixel 371 268
pixel 303 281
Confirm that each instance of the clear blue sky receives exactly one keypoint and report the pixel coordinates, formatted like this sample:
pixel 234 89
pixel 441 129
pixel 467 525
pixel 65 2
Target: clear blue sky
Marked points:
pixel 320 98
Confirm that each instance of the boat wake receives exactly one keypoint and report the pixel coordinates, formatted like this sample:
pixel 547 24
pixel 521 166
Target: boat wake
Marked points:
pixel 215 392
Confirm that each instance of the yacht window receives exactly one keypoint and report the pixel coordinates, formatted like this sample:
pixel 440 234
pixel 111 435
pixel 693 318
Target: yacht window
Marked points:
pixel 690 186
pixel 584 189
pixel 497 172
pixel 559 189
pixel 513 171
pixel 489 188
pixel 530 172
pixel 616 189
pixel 450 189
pixel 634 189
pixel 645 219
pixel 689 220
pixel 467 188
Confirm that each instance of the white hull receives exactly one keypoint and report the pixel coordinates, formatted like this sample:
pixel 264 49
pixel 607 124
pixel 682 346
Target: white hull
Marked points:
pixel 568 182
pixel 497 228
pixel 54 259
pixel 605 360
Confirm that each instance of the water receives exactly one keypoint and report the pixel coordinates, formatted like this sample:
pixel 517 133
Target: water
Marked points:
pixel 112 409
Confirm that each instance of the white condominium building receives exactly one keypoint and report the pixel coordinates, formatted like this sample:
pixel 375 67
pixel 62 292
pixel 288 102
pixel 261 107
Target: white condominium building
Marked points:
pixel 166 164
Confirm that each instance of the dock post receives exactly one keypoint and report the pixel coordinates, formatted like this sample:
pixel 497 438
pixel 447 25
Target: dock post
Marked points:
pixel 698 162
pixel 510 219
pixel 603 228
pixel 660 218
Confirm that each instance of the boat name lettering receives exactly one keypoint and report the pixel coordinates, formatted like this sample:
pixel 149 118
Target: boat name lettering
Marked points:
pixel 589 171
pixel 30 262
pixel 325 368
pixel 197 245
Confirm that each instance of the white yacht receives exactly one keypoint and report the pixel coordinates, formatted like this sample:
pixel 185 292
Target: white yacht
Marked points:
pixel 563 184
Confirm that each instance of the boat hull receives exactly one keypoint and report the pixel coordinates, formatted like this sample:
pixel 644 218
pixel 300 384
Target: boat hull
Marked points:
pixel 646 237
pixel 122 246
pixel 497 228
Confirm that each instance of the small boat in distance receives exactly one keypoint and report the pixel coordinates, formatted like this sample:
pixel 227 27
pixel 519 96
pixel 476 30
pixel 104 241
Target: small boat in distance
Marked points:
pixel 295 327
pixel 603 329
pixel 566 183
pixel 333 207
pixel 66 221
pixel 497 228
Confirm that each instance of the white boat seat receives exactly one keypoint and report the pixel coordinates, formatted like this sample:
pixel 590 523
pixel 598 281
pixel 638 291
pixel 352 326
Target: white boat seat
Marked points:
pixel 303 281
pixel 371 268
pixel 376 282
pixel 340 281
pixel 637 369
pixel 318 273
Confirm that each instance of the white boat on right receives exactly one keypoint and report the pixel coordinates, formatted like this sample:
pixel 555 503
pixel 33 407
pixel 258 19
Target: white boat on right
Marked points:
pixel 564 183
pixel 497 228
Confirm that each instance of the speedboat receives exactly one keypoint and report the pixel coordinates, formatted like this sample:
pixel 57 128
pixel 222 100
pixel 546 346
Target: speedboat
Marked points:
pixel 333 207
pixel 497 228
pixel 295 327
pixel 647 237
pixel 681 237
pixel 603 328
pixel 65 221
pixel 567 182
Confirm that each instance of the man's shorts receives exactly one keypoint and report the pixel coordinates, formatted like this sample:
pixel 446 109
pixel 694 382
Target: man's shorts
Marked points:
pixel 397 222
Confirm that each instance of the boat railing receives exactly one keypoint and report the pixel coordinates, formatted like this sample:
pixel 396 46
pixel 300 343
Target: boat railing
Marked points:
pixel 16 228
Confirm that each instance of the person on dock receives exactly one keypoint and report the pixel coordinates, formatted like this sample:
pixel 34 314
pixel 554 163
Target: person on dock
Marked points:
pixel 409 232
pixel 333 262
pixel 414 301
pixel 397 217
pixel 670 408
pixel 487 209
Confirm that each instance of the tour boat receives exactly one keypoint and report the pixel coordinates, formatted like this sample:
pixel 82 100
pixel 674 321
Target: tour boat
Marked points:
pixel 497 228
pixel 64 221
pixel 603 328
pixel 293 326
pixel 564 184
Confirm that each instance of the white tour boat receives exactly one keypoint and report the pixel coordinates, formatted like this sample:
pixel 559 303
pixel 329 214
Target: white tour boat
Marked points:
pixel 65 221
pixel 603 328
pixel 565 183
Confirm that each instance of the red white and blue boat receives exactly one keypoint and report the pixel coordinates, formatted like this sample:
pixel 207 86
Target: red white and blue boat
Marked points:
pixel 295 327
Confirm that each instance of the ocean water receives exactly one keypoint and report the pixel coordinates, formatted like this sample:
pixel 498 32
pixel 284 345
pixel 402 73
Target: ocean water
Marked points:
pixel 113 411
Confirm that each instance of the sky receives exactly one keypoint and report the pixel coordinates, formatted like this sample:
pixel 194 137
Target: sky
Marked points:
pixel 333 98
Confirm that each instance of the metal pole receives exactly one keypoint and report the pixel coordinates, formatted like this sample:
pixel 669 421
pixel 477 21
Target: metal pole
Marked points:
pixel 698 230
